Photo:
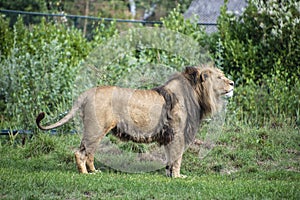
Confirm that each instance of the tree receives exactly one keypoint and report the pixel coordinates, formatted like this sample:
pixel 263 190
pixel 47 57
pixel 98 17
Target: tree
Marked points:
pixel 25 5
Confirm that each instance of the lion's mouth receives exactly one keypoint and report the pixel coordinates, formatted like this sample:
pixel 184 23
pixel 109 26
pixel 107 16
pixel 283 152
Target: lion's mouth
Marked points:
pixel 229 93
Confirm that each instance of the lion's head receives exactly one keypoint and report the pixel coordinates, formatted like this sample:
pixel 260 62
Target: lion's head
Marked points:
pixel 211 87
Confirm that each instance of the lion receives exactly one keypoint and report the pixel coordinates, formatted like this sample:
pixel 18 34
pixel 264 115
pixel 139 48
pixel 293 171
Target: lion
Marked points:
pixel 169 114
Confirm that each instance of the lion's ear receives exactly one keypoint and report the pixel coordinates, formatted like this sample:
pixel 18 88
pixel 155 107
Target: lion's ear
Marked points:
pixel 192 74
pixel 204 75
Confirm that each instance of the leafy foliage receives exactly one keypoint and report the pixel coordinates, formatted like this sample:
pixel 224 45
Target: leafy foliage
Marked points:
pixel 267 33
pixel 130 58
pixel 38 70
pixel 261 50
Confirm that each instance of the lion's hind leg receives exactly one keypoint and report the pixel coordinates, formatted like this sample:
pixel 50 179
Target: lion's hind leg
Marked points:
pixel 81 159
pixel 85 161
pixel 89 144
pixel 90 163
pixel 85 158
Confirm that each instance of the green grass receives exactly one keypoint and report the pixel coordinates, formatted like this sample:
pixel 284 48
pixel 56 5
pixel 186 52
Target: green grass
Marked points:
pixel 246 163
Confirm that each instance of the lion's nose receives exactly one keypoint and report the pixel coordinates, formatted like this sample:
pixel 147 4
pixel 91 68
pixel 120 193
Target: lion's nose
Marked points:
pixel 231 83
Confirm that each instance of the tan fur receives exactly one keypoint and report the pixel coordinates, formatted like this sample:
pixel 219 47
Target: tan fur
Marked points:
pixel 169 114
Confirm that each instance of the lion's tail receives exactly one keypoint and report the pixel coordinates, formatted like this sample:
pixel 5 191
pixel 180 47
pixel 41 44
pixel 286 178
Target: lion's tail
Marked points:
pixel 77 105
pixel 61 122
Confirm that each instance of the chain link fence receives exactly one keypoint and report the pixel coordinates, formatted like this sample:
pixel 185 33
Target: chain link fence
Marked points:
pixel 79 21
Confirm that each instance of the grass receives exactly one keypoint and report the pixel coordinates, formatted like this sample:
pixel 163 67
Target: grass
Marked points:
pixel 246 163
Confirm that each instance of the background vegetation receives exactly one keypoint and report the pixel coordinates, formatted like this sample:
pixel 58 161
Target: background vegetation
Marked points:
pixel 259 49
pixel 257 156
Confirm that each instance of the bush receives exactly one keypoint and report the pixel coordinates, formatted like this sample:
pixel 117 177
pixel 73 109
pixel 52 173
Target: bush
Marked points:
pixel 260 50
pixel 263 36
pixel 141 58
pixel 38 70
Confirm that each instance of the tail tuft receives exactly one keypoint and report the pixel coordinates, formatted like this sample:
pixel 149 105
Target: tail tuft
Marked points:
pixel 39 118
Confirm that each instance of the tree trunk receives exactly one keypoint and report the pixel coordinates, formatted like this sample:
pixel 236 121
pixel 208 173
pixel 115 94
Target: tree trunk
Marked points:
pixel 86 13
pixel 132 8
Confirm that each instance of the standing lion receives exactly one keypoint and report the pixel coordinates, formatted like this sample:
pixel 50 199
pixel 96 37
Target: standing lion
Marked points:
pixel 169 115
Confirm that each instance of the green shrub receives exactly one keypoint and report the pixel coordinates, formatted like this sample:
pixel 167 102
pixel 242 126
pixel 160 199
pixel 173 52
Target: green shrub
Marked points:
pixel 260 50
pixel 144 58
pixel 175 21
pixel 38 70
pixel 6 37
pixel 264 35
pixel 41 144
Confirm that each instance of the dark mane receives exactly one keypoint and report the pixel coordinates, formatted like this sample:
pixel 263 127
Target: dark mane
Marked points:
pixel 187 90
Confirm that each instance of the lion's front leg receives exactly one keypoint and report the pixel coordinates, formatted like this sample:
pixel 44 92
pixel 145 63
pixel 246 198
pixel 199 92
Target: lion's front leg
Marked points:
pixel 169 170
pixel 176 168
pixel 173 168
pixel 174 152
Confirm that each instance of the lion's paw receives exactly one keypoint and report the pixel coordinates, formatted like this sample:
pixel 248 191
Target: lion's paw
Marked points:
pixel 95 172
pixel 182 176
